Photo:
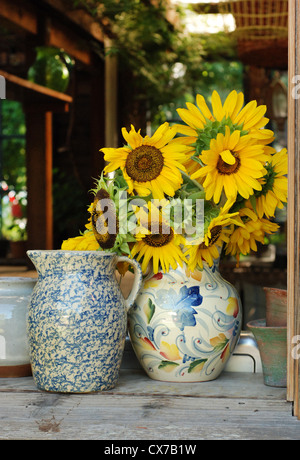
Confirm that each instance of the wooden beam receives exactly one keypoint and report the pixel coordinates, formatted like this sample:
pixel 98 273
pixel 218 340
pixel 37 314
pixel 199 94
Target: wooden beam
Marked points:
pixel 97 121
pixel 35 91
pixel 111 99
pixel 63 31
pixel 20 13
pixel 291 199
pixel 39 179
pixel 61 36
pixel 80 17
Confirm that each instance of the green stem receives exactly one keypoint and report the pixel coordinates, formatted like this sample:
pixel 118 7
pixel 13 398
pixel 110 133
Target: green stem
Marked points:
pixel 192 181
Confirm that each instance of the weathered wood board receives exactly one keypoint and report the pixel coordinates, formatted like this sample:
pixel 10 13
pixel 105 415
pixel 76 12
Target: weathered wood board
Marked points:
pixel 235 406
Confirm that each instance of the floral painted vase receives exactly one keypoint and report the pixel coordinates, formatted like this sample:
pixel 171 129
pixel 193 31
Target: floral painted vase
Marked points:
pixel 184 326
pixel 77 320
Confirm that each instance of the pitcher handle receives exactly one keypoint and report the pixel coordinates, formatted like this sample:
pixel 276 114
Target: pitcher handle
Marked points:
pixel 138 278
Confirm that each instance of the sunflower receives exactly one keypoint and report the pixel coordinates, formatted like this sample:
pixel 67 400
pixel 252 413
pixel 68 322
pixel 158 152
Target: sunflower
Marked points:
pixel 216 233
pixel 105 223
pixel 233 164
pixel 244 238
pixel 164 250
pixel 162 244
pixel 274 186
pixel 149 164
pixel 84 242
pixel 202 124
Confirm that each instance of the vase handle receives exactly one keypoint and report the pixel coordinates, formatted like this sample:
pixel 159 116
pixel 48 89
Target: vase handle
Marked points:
pixel 138 278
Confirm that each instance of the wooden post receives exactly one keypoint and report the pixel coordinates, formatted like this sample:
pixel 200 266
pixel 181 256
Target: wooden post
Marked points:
pixel 111 98
pixel 39 179
pixel 293 383
pixel 97 122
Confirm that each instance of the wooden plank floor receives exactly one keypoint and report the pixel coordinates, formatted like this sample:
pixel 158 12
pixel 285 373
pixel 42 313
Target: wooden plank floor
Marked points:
pixel 233 407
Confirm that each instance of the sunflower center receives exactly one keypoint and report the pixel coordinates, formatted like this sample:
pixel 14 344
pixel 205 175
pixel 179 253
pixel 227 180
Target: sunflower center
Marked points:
pixel 215 233
pixel 144 163
pixel 157 240
pixel 228 166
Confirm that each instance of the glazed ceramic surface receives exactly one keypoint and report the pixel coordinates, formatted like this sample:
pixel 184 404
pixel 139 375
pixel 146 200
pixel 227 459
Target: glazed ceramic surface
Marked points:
pixel 15 294
pixel 77 320
pixel 276 307
pixel 272 345
pixel 184 326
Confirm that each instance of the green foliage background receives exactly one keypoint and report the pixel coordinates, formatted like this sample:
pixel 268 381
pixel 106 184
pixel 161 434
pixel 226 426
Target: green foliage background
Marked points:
pixel 13 148
pixel 149 48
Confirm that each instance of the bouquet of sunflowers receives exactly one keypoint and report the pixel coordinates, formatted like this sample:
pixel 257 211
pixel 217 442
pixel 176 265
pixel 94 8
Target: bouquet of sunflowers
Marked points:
pixel 146 202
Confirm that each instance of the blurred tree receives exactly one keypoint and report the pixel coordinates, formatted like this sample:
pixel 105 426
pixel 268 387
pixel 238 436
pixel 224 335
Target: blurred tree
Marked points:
pixel 160 64
pixel 12 138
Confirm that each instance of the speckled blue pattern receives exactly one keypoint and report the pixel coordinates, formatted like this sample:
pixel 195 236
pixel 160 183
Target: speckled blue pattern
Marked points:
pixel 77 321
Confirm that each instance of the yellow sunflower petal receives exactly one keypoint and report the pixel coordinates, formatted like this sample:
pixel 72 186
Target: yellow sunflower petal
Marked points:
pixel 190 119
pixel 227 156
pixel 203 107
pixel 133 138
pixel 218 110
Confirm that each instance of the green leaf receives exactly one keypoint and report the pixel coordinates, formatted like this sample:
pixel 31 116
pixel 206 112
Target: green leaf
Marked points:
pixel 196 366
pixel 167 366
pixel 221 345
pixel 253 202
pixel 149 310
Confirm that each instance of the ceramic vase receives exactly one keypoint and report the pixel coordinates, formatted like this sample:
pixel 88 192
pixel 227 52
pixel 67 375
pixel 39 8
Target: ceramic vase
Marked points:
pixel 184 326
pixel 77 320
pixel 15 294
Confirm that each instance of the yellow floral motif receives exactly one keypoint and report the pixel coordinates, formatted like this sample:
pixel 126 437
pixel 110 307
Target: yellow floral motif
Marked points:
pixel 167 366
pixel 233 307
pixel 151 283
pixel 196 274
pixel 146 343
pixel 170 352
pixel 225 354
pixel 219 341
pixel 196 366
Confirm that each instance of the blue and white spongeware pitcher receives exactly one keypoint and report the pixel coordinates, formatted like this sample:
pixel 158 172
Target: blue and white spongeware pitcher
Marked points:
pixel 77 320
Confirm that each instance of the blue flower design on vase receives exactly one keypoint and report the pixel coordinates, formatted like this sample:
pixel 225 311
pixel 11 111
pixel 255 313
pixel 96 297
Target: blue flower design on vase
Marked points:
pixel 181 303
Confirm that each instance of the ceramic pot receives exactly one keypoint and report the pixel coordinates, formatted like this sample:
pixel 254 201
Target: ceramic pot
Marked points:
pixel 276 307
pixel 77 320
pixel 184 326
pixel 15 294
pixel 272 345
